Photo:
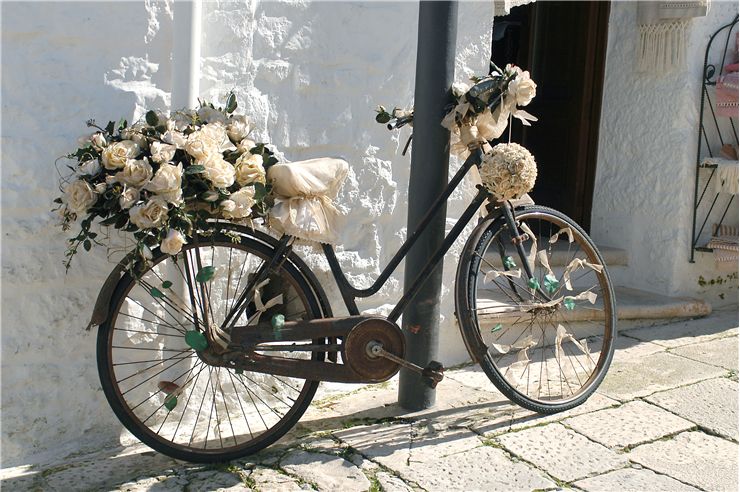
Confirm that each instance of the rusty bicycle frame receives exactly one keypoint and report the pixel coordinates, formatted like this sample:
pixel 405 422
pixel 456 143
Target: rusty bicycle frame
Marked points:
pixel 255 338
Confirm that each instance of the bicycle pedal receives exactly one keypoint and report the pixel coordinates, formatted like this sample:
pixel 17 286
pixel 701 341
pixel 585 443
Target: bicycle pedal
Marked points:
pixel 432 374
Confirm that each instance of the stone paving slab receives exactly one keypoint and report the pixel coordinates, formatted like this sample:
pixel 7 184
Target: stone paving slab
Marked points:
pixel 720 323
pixel 561 452
pixel 661 371
pixel 325 471
pixel 269 479
pixel 632 480
pixel 442 460
pixel 704 461
pixel 721 352
pixel 712 404
pixel 633 423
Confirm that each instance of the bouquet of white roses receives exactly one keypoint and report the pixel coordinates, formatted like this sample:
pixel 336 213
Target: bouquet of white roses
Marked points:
pixel 165 177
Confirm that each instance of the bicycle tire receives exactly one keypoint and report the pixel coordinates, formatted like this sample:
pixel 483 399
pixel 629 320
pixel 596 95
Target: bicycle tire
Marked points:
pixel 476 312
pixel 122 407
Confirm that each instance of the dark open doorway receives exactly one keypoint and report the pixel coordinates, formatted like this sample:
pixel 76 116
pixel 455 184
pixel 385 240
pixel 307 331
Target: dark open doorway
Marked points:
pixel 563 45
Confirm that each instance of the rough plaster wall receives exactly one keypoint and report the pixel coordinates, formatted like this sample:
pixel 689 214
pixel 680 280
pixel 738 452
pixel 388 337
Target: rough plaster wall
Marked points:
pixel 643 196
pixel 63 63
pixel 310 75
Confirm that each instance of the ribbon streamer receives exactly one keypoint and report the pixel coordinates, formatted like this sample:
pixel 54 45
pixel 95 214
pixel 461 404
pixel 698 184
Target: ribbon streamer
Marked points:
pixel 562 334
pixel 575 265
pixel 533 249
pixel 564 230
pixel 261 306
pixel 492 274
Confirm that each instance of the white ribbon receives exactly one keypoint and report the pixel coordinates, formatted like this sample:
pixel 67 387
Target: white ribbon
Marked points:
pixel 562 334
pixel 261 306
pixel 533 249
pixel 564 230
pixel 490 275
pixel 575 265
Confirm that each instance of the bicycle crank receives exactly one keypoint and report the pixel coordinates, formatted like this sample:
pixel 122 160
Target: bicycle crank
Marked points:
pixel 258 348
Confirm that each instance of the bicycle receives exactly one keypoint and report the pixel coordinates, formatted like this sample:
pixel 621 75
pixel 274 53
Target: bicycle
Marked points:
pixel 215 353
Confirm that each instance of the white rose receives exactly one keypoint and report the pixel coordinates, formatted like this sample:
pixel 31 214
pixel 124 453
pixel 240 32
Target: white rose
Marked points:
pixel 172 244
pixel 180 120
pixel 245 145
pixel 522 89
pixel 220 172
pixel 128 198
pixel 459 88
pixel 167 183
pixel 115 155
pixel 100 188
pixel 249 169
pixel 216 132
pixel 135 172
pixel 98 141
pixel 162 152
pixel 134 132
pixel 210 115
pixel 243 203
pixel 210 139
pixel 176 138
pixel 228 205
pixel 150 214
pixel 89 168
pixel 238 129
pixel 80 196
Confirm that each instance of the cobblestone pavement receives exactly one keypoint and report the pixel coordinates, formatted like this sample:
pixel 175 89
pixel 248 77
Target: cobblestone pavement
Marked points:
pixel 665 418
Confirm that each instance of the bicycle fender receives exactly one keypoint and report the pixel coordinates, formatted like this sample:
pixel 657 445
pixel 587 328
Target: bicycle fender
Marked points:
pixel 102 304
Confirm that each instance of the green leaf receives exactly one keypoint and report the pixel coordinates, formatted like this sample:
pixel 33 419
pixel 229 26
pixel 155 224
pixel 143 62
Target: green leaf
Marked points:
pixel 259 191
pixel 194 169
pixel 231 103
pixel 110 127
pixel 151 118
pixel 383 118
pixel 166 284
pixel 196 340
pixel 156 293
pixel 205 274
pixel 161 128
pixel 58 200
pixel 87 245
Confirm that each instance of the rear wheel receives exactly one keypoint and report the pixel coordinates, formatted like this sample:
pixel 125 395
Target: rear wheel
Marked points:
pixel 545 343
pixel 174 398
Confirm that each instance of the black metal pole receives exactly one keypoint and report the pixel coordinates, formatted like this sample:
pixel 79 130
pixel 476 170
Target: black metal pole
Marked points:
pixel 435 69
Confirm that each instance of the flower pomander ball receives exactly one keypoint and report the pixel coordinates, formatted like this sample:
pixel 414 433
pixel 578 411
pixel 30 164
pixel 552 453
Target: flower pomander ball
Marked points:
pixel 508 171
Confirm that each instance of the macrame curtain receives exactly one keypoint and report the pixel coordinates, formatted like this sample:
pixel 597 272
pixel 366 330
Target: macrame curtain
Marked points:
pixel 503 7
pixel 663 29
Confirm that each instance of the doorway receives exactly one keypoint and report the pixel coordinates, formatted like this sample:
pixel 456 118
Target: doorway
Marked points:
pixel 563 45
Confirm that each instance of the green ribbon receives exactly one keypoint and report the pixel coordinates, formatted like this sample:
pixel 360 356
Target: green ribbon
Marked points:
pixel 509 262
pixel 533 283
pixel 569 304
pixel 551 283
pixel 278 321
pixel 196 340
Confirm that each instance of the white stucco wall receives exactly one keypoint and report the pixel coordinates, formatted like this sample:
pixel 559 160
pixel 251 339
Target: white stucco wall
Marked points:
pixel 310 75
pixel 643 196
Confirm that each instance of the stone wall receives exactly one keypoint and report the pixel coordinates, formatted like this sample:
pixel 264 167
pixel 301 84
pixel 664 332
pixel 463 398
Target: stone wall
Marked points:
pixel 643 196
pixel 309 74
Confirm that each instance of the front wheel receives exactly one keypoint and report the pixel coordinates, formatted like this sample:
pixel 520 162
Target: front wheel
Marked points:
pixel 545 342
pixel 165 388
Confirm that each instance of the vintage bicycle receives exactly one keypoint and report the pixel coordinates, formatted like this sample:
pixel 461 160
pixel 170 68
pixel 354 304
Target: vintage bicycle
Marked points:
pixel 215 352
